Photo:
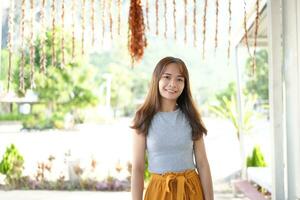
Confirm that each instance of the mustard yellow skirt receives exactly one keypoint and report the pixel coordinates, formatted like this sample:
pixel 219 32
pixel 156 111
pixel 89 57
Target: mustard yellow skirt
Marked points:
pixel 175 186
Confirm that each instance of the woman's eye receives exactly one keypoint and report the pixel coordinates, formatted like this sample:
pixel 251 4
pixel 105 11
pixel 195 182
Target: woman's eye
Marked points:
pixel 180 80
pixel 166 77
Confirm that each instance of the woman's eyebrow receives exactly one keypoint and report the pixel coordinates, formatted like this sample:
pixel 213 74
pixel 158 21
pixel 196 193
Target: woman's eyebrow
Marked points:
pixel 179 75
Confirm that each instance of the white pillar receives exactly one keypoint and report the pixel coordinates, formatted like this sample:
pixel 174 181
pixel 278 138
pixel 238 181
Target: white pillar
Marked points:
pixel 1 7
pixel 291 53
pixel 239 101
pixel 274 18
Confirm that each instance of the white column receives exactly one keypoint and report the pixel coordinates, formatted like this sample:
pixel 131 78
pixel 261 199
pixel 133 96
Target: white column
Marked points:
pixel 276 97
pixel 291 52
pixel 239 101
pixel 1 7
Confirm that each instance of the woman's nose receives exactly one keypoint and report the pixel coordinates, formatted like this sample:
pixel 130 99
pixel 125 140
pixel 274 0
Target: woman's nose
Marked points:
pixel 173 83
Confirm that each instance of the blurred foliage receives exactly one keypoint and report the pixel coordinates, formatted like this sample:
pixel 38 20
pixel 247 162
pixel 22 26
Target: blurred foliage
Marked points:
pixel 11 165
pixel 61 90
pixel 226 107
pixel 128 85
pixel 258 82
pixel 147 174
pixel 256 159
pixel 11 117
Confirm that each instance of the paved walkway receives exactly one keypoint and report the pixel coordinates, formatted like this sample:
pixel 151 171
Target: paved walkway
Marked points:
pixel 222 192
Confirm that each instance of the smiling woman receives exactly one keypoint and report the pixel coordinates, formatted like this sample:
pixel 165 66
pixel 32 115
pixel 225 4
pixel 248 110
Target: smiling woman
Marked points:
pixel 169 128
pixel 171 84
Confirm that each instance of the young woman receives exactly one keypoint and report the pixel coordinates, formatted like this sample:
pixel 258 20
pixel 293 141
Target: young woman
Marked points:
pixel 169 127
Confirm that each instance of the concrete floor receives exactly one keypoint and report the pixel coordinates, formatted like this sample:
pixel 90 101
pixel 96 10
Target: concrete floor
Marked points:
pixel 222 191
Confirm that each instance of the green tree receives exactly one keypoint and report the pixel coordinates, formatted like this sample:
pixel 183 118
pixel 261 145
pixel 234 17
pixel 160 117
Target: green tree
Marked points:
pixel 257 83
pixel 128 85
pixel 60 90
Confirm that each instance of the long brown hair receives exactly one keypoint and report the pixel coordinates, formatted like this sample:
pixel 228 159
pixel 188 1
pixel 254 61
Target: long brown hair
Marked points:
pixel 151 106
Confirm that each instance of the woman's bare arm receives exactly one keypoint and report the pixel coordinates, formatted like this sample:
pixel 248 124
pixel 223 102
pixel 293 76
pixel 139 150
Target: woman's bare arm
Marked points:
pixel 203 169
pixel 138 165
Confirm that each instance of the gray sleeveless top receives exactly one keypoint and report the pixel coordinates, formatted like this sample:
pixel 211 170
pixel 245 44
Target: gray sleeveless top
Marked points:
pixel 169 143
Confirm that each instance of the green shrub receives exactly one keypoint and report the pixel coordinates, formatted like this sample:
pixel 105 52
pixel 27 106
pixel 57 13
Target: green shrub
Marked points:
pixel 257 158
pixel 37 121
pixel 147 174
pixel 12 165
pixel 11 117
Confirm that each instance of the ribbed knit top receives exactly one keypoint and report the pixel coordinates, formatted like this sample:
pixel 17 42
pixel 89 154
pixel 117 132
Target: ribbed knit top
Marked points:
pixel 169 143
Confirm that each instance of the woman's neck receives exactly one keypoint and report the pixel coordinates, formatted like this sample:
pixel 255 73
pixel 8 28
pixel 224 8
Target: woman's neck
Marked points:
pixel 168 106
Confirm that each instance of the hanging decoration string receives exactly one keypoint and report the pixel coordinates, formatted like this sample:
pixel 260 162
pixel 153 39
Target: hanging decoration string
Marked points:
pixel 22 65
pixel 174 19
pixel 165 18
pixel 82 26
pixel 136 32
pixel 43 38
pixel 204 29
pixel 156 16
pixel 255 34
pixel 217 21
pixel 62 34
pixel 195 22
pixel 73 29
pixel 119 17
pixel 103 21
pixel 10 41
pixel 147 15
pixel 246 33
pixel 246 29
pixel 185 21
pixel 32 50
pixel 229 29
pixel 93 21
pixel 110 19
pixel 53 33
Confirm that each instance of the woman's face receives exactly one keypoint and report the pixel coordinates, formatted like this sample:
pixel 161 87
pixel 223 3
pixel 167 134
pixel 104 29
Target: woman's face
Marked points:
pixel 171 83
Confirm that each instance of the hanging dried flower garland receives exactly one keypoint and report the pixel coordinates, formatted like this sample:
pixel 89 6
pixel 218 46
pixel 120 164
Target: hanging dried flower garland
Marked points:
pixel 73 29
pixel 53 33
pixel 82 26
pixel 246 29
pixel 110 18
pixel 147 15
pixel 204 28
pixel 43 38
pixel 229 29
pixel 10 41
pixel 255 33
pixel 136 37
pixel 119 17
pixel 156 17
pixel 217 21
pixel 185 21
pixel 93 21
pixel 22 65
pixel 32 50
pixel 195 22
pixel 103 21
pixel 62 34
pixel 165 18
pixel 174 19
